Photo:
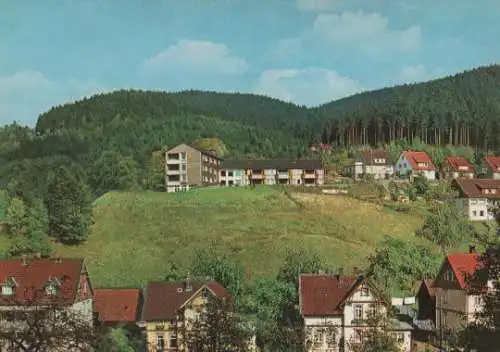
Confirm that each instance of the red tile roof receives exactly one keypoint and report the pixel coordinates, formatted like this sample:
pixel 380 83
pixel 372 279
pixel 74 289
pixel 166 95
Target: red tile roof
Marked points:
pixel 464 265
pixel 324 294
pixel 164 299
pixel 117 305
pixel 414 158
pixel 30 280
pixel 459 163
pixel 492 162
pixel 473 188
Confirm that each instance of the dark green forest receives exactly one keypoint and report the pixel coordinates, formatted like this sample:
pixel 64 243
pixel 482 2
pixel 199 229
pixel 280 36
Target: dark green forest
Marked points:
pixel 124 128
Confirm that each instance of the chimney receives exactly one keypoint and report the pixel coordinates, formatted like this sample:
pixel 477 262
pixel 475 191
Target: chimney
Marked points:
pixel 472 249
pixel 187 286
pixel 24 259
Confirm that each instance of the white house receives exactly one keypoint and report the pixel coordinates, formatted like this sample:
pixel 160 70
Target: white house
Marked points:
pixel 416 163
pixel 335 308
pixel 476 197
pixel 371 162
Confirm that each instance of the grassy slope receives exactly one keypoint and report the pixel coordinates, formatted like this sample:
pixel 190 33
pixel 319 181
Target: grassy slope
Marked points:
pixel 136 235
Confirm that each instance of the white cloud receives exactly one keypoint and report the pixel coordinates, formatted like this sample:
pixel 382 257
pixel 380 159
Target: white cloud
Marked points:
pixel 316 5
pixel 368 32
pixel 26 94
pixel 418 73
pixel 196 56
pixel 309 86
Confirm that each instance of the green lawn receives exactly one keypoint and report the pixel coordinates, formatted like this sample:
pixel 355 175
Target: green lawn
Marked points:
pixel 136 235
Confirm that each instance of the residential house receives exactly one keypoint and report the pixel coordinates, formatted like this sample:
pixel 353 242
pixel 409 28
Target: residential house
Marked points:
pixel 476 197
pixel 491 167
pixel 416 163
pixel 272 172
pixel 32 283
pixel 458 296
pixel 426 299
pixel 335 308
pixel 371 162
pixel 457 166
pixel 321 148
pixel 118 306
pixel 169 306
pixel 189 165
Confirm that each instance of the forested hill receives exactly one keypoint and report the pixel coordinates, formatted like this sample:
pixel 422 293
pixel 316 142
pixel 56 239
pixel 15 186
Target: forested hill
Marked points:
pixel 460 109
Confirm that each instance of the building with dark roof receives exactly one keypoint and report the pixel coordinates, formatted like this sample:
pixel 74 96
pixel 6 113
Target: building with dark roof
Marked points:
pixel 476 197
pixel 168 305
pixel 272 172
pixel 335 308
pixel 371 162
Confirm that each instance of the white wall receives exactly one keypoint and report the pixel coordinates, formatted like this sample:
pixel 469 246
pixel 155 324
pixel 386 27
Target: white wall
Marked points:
pixel 474 207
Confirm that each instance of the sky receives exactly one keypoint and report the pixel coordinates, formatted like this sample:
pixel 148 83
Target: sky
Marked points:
pixel 305 51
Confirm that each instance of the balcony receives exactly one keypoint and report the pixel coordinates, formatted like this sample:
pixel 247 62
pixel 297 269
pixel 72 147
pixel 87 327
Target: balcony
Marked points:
pixel 283 175
pixel 257 176
pixel 309 174
pixel 173 172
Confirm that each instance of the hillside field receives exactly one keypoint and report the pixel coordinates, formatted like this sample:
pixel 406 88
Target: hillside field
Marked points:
pixel 137 235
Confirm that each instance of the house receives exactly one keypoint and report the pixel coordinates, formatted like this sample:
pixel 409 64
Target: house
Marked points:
pixel 426 298
pixel 272 172
pixel 168 306
pixel 491 167
pixel 118 306
pixel 416 163
pixel 371 162
pixel 334 309
pixel 458 298
pixel 321 148
pixel 34 283
pixel 457 166
pixel 189 165
pixel 476 197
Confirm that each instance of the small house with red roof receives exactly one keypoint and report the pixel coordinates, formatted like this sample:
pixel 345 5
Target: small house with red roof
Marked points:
pixel 491 166
pixel 117 306
pixel 457 166
pixel 458 295
pixel 168 305
pixel 476 197
pixel 335 308
pixel 416 163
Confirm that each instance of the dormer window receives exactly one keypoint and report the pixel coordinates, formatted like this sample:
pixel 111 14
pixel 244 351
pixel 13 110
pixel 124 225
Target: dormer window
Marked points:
pixel 449 275
pixel 52 286
pixel 9 286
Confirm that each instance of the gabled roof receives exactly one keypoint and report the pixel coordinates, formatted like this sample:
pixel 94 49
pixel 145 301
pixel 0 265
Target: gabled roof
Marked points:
pixel 368 156
pixel 313 164
pixel 324 295
pixel 464 266
pixel 117 305
pixel 459 163
pixel 427 285
pixel 204 151
pixel 472 188
pixel 414 158
pixel 162 300
pixel 492 162
pixel 31 279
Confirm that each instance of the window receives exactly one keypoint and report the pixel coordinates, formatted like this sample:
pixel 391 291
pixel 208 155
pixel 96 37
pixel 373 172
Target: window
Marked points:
pixel 449 275
pixel 230 174
pixel 183 155
pixel 84 287
pixel 50 289
pixel 173 340
pixel 474 213
pixel 183 167
pixel 400 337
pixel 318 337
pixel 365 292
pixel 160 343
pixel 7 290
pixel 478 301
pixel 223 173
pixel 358 336
pixel 371 309
pixel 481 213
pixel 358 312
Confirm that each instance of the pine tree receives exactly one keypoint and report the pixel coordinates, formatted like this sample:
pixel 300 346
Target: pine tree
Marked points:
pixel 69 205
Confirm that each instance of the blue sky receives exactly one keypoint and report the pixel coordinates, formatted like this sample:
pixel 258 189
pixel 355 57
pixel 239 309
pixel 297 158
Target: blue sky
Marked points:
pixel 305 51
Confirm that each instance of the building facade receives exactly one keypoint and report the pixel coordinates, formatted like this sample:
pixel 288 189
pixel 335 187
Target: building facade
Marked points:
pixel 374 163
pixel 416 163
pixel 455 166
pixel 477 197
pixel 169 307
pixel 335 309
pixel 190 166
pixel 272 172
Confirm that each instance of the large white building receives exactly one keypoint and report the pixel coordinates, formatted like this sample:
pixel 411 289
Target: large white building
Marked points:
pixel 335 309
pixel 476 197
